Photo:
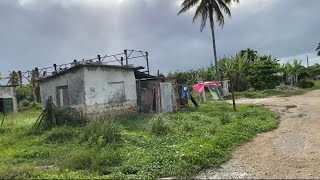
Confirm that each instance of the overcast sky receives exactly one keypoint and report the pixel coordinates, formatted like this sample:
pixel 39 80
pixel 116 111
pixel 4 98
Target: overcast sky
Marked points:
pixel 38 33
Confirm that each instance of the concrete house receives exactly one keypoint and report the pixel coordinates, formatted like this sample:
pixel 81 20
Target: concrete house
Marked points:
pixel 92 89
pixel 8 100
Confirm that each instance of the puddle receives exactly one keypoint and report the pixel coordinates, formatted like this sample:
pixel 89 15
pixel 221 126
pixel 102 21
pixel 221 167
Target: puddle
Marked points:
pixel 300 115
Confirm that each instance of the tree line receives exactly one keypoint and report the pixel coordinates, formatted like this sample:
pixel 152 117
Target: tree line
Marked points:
pixel 249 70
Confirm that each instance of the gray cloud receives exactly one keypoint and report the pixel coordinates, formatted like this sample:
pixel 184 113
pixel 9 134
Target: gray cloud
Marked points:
pixel 38 33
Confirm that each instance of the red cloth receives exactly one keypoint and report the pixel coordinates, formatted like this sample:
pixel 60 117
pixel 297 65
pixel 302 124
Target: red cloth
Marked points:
pixel 199 87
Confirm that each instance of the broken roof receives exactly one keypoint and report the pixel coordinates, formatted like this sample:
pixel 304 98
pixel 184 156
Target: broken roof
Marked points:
pixel 78 65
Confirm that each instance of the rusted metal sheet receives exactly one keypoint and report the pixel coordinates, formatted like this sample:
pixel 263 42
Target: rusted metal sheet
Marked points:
pixel 176 97
pixel 166 97
pixel 146 102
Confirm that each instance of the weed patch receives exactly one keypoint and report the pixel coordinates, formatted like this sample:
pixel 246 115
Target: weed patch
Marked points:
pixel 141 146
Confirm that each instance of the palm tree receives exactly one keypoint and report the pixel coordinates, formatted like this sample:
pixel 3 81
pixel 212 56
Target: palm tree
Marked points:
pixel 318 49
pixel 13 78
pixel 252 54
pixel 207 9
pixel 235 69
pixel 293 70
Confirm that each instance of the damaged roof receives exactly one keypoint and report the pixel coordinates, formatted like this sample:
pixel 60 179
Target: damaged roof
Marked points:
pixel 137 73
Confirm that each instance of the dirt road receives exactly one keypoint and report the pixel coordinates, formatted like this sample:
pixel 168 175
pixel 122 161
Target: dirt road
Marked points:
pixel 291 151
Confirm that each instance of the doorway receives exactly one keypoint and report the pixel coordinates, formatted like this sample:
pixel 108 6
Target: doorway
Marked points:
pixel 6 105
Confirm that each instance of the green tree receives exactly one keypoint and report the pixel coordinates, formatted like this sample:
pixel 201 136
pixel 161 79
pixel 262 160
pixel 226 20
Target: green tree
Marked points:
pixel 206 9
pixel 293 70
pixel 235 70
pixel 24 93
pixel 318 50
pixel 263 73
pixel 313 70
pixel 252 54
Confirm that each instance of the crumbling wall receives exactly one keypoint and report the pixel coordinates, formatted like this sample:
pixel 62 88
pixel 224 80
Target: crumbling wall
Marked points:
pixel 109 91
pixel 74 79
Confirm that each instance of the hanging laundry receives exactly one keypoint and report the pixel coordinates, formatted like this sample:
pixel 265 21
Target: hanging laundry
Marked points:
pixel 215 92
pixel 198 87
pixel 185 91
pixel 212 86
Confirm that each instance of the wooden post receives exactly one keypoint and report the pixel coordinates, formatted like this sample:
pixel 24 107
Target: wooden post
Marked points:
pixel 202 94
pixel 55 67
pixel 147 58
pixel 233 96
pixel 37 72
pixel 121 61
pixel 20 78
pixel 126 56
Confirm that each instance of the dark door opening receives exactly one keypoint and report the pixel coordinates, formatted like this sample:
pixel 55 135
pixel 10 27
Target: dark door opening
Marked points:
pixel 1 106
pixel 6 105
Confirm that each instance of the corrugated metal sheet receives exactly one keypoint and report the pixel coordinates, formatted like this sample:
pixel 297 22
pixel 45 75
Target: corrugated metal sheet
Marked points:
pixel 166 97
pixel 158 98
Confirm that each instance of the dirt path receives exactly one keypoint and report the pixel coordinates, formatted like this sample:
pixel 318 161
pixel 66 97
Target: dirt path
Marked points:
pixel 291 151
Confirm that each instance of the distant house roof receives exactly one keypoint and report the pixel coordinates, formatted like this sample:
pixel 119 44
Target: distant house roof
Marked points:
pixel 138 74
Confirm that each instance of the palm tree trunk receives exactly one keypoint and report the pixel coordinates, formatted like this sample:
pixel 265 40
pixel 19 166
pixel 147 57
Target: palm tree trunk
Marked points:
pixel 214 45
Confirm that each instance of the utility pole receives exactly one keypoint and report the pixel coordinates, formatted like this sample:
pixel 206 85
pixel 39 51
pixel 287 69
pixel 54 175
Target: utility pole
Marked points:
pixel 307 60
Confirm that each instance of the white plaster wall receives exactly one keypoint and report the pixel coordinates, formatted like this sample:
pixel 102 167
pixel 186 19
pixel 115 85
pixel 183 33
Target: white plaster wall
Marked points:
pixel 74 80
pixel 10 92
pixel 97 79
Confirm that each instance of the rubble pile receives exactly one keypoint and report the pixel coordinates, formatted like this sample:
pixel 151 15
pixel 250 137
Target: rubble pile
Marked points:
pixel 287 88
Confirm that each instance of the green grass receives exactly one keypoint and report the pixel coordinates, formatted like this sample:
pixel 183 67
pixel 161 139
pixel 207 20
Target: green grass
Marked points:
pixel 139 146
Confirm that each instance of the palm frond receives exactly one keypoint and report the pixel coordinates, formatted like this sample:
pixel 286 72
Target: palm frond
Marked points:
pixel 187 4
pixel 214 8
pixel 224 7
pixel 202 12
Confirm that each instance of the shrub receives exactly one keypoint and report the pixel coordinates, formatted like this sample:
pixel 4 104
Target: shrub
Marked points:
pixel 101 161
pixel 79 160
pixel 159 126
pixel 305 83
pixel 68 117
pixel 103 131
pixel 24 93
pixel 54 117
pixel 25 103
pixel 35 105
pixel 225 118
pixel 60 134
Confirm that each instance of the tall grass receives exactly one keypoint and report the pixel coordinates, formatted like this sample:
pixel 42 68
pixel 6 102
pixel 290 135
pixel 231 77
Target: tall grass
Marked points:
pixel 140 146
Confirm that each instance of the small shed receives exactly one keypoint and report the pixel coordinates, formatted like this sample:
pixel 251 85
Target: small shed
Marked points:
pixel 92 89
pixel 8 99
pixel 160 95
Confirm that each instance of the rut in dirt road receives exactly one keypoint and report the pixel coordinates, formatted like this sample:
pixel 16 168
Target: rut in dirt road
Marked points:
pixel 290 151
